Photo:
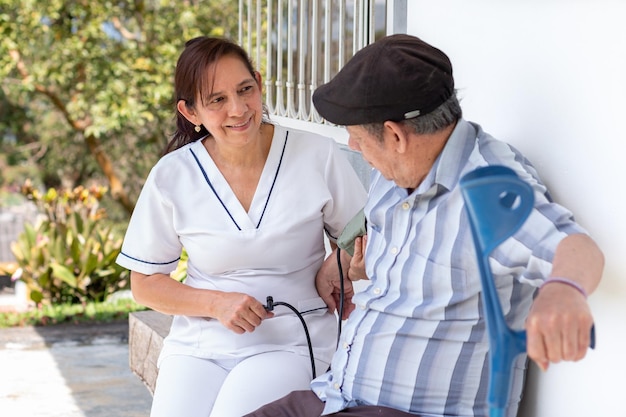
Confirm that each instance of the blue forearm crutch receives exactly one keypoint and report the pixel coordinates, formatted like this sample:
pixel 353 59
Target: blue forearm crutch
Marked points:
pixel 498 202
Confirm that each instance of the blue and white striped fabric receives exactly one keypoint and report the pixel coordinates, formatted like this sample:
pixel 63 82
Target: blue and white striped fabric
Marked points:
pixel 417 339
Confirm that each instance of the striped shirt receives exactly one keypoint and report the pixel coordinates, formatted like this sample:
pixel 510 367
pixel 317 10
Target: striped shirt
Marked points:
pixel 417 340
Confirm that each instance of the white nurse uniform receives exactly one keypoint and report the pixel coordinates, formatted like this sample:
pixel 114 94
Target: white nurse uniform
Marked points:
pixel 275 249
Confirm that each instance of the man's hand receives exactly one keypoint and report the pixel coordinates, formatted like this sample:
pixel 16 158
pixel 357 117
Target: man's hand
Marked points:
pixel 558 327
pixel 328 283
pixel 357 263
pixel 559 323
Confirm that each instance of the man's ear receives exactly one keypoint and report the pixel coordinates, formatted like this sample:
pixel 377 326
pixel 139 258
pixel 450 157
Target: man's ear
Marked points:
pixel 189 113
pixel 395 132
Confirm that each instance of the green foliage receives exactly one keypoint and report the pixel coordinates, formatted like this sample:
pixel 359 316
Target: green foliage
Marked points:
pixel 180 273
pixel 71 313
pixel 80 77
pixel 69 255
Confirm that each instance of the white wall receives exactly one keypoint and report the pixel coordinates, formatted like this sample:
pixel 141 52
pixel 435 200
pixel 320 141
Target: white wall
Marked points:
pixel 550 78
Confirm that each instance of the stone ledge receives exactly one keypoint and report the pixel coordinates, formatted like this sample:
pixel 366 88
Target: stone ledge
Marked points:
pixel 65 334
pixel 146 331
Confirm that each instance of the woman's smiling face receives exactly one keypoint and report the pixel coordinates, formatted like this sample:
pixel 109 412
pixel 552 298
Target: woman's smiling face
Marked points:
pixel 232 111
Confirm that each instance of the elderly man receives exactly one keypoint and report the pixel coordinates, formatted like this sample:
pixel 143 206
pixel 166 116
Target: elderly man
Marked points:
pixel 415 342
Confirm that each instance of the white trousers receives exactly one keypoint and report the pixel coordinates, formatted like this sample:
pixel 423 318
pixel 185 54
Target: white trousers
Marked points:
pixel 195 387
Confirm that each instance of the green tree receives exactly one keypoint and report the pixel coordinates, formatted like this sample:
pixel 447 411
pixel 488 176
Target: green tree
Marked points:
pixel 86 86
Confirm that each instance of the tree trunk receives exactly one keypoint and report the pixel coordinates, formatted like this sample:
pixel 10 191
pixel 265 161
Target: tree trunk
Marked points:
pixel 117 190
pixel 95 147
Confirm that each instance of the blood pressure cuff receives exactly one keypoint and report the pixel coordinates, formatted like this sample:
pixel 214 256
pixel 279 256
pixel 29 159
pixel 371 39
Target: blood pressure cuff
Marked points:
pixel 355 228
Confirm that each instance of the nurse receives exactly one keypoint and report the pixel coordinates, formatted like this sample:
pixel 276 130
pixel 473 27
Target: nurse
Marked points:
pixel 250 202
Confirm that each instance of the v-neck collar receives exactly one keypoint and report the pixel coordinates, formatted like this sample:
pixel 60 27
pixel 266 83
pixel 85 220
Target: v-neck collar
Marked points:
pixel 220 189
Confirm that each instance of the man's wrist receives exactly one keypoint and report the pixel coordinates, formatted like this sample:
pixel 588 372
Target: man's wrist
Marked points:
pixel 565 281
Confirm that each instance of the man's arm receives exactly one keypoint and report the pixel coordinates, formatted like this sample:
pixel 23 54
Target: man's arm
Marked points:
pixel 559 323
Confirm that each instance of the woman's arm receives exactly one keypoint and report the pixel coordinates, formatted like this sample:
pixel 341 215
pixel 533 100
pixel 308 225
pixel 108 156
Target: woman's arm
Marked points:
pixel 236 311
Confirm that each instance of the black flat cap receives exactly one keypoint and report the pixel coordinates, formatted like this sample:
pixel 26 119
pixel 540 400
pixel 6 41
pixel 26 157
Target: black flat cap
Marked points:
pixel 395 78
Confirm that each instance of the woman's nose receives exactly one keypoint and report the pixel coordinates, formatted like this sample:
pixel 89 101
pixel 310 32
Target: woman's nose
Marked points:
pixel 238 106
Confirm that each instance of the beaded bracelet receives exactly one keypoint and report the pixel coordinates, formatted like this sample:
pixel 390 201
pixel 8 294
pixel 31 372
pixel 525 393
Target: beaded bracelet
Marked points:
pixel 567 282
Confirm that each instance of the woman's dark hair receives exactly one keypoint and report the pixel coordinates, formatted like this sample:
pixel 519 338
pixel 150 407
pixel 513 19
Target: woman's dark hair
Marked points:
pixel 191 81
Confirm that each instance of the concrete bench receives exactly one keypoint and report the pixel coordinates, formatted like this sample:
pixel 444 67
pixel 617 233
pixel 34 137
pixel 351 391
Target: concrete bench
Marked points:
pixel 146 331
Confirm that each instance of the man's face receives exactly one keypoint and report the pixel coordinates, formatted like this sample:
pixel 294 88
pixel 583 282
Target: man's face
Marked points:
pixel 401 156
pixel 377 152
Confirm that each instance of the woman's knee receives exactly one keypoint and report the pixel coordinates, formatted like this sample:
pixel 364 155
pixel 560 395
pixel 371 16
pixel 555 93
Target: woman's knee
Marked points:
pixel 261 379
pixel 186 386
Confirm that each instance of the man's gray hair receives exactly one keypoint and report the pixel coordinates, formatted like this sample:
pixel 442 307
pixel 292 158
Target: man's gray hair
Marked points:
pixel 443 116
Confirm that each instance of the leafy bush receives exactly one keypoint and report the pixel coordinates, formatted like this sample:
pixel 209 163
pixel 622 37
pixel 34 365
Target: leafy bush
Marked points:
pixel 69 255
pixel 91 312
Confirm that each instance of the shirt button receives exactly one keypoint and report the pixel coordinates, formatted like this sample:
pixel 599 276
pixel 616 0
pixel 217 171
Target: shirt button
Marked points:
pixel 336 385
pixel 346 345
pixel 377 291
pixel 362 306
pixel 394 250
pixel 406 205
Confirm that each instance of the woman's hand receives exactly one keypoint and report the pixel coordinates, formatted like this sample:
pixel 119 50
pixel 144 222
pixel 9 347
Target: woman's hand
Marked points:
pixel 236 311
pixel 239 312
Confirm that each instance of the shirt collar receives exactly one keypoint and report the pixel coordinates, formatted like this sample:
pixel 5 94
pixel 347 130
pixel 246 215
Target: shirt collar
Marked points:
pixel 446 171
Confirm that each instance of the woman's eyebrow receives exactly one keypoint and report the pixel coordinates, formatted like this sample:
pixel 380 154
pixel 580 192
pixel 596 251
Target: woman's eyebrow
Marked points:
pixel 219 93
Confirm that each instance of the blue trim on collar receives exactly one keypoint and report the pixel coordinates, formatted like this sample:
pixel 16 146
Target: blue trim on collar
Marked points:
pixel 206 178
pixel 280 162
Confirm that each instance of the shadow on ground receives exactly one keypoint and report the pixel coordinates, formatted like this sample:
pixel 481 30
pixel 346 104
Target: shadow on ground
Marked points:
pixel 69 371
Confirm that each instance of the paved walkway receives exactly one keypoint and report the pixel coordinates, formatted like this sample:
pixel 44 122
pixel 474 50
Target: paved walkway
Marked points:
pixel 69 371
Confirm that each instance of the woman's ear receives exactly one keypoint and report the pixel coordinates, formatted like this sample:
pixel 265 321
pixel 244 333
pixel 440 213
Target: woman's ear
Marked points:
pixel 259 79
pixel 189 113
